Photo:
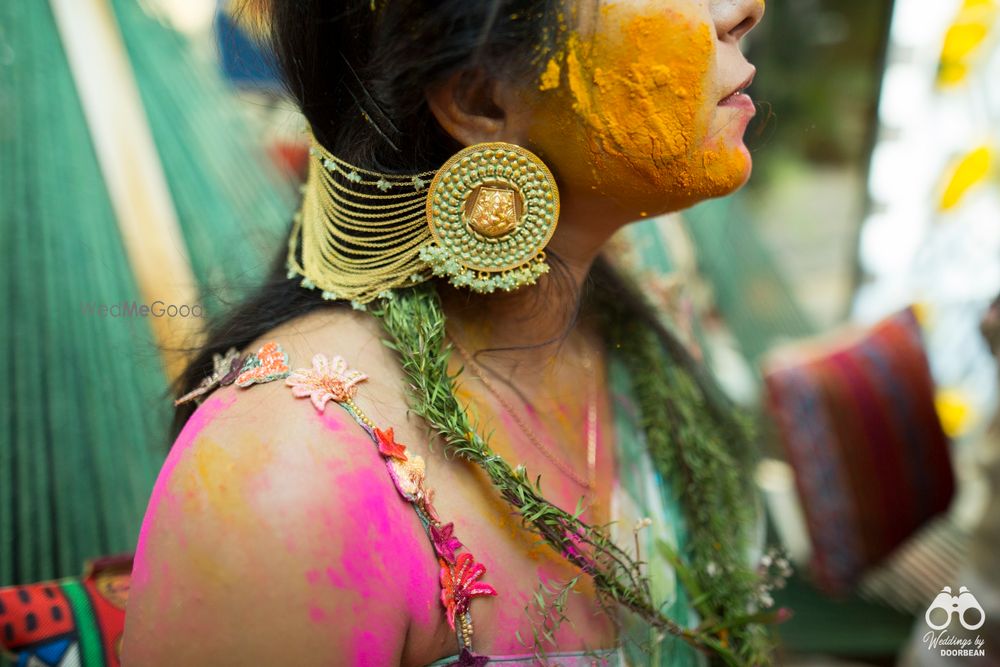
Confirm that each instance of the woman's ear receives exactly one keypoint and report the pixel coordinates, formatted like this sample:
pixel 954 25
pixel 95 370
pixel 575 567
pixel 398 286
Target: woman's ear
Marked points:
pixel 474 107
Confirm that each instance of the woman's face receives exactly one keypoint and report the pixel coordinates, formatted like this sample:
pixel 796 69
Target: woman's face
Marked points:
pixel 638 105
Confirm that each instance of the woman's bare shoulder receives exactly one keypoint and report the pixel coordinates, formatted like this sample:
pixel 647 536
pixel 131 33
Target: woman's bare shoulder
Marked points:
pixel 272 522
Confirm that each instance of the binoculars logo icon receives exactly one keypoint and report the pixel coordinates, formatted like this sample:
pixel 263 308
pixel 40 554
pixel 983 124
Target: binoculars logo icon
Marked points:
pixel 945 605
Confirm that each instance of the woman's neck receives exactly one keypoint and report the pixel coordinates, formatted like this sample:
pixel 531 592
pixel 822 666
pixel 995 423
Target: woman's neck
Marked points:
pixel 537 320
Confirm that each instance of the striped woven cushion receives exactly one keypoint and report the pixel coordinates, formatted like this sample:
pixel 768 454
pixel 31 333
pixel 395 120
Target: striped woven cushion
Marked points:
pixel 857 419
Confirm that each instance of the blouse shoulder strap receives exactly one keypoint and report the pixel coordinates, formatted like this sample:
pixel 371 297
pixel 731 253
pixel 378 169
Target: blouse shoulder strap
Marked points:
pixel 460 574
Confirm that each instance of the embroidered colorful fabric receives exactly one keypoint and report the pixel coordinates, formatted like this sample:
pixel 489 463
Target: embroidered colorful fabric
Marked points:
pixel 268 363
pixel 265 365
pixel 69 622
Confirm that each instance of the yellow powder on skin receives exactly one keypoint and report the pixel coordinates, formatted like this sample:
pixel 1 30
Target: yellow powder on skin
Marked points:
pixel 550 77
pixel 639 87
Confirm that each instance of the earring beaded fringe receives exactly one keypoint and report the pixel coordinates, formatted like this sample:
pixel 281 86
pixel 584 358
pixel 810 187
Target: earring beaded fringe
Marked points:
pixel 359 234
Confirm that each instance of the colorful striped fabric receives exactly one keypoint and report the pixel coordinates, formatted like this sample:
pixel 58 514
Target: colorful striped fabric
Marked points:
pixel 859 426
pixel 72 622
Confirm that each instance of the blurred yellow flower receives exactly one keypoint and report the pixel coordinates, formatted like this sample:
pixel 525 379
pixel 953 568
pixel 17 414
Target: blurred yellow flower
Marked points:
pixel 969 171
pixel 970 29
pixel 954 412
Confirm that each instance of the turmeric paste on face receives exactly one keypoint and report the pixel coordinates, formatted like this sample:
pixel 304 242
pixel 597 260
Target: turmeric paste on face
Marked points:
pixel 641 90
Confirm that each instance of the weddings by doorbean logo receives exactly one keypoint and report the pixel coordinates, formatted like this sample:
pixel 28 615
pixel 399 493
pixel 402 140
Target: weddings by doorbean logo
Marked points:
pixel 135 309
pixel 945 609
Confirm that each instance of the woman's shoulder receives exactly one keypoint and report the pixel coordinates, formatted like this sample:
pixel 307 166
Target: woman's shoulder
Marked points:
pixel 274 509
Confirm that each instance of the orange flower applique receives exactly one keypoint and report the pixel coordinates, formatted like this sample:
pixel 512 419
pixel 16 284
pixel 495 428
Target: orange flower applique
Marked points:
pixel 407 475
pixel 268 363
pixel 388 446
pixel 460 583
pixel 327 380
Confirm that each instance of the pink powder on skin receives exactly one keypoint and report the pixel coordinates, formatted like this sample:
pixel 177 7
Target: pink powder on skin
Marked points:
pixel 387 552
pixel 370 650
pixel 316 614
pixel 203 416
pixel 332 421
pixel 378 519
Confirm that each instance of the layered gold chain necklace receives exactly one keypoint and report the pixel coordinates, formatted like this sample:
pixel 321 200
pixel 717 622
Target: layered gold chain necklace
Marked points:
pixel 591 423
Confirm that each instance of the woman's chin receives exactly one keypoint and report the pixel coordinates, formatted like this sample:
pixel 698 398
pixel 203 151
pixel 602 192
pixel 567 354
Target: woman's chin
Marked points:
pixel 746 171
pixel 726 170
pixel 722 173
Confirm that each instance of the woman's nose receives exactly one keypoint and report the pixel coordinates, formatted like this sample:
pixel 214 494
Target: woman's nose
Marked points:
pixel 735 18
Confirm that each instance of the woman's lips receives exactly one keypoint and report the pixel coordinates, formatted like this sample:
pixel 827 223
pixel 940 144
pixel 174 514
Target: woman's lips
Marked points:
pixel 738 98
pixel 741 101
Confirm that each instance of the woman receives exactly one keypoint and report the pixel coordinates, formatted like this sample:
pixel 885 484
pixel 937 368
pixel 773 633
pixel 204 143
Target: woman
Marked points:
pixel 469 162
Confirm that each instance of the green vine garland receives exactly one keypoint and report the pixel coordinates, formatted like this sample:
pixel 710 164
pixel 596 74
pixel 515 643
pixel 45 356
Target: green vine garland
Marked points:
pixel 688 443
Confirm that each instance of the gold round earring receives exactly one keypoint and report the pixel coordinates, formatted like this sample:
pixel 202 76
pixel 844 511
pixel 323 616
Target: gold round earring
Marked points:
pixel 491 209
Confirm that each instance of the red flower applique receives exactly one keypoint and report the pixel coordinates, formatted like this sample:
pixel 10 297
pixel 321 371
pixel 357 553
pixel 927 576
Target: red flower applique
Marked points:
pixel 327 380
pixel 460 583
pixel 268 363
pixel 388 446
pixel 445 542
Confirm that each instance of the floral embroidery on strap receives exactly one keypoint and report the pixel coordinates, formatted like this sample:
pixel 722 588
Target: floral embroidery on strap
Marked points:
pixel 266 364
pixel 388 446
pixel 459 584
pixel 225 368
pixel 325 381
pixel 445 544
pixel 459 575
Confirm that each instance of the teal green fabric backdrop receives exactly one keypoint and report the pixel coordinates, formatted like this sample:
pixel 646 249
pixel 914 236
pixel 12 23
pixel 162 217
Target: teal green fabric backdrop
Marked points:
pixel 84 410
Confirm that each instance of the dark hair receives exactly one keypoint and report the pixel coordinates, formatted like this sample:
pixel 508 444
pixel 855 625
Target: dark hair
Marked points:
pixel 359 70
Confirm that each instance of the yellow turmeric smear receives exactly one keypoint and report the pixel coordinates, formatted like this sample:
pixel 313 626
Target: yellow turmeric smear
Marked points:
pixel 550 77
pixel 639 88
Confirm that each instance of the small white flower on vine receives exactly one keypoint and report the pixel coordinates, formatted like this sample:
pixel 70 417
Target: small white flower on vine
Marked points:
pixel 643 523
pixel 711 569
